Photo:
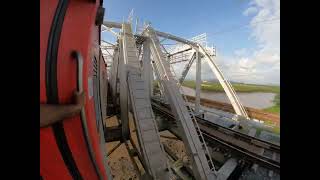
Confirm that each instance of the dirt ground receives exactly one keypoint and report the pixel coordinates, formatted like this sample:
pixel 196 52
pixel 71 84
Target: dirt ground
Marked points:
pixel 119 160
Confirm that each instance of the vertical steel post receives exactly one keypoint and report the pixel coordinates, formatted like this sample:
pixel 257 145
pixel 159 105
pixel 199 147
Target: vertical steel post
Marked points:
pixel 198 82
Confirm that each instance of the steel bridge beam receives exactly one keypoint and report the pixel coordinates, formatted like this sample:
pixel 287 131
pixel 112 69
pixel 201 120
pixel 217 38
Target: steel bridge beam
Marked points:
pixel 240 144
pixel 190 136
pixel 239 109
pixel 224 82
pixel 114 75
pixel 147 131
pixel 186 68
pixel 185 50
pixel 147 67
pixel 175 38
pixel 110 24
pixel 124 113
pixel 198 82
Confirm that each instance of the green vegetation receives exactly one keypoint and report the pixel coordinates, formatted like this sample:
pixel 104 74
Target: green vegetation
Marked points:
pixel 276 107
pixel 273 109
pixel 238 87
pixel 273 129
pixel 276 129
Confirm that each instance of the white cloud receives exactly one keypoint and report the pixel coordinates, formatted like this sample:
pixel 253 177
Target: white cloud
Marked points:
pixel 250 11
pixel 259 65
pixel 241 52
pixel 262 65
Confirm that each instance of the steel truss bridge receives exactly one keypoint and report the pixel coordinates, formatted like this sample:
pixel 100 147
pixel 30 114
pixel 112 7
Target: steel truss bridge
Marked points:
pixel 139 59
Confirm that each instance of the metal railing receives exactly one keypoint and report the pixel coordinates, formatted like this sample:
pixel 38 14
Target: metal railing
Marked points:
pixel 196 124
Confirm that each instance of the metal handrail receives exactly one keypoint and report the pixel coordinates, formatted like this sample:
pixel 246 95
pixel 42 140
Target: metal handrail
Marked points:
pixel 197 126
pixel 78 57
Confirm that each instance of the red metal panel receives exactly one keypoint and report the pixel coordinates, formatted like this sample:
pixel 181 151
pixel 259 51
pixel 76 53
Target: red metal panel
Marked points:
pixel 78 33
pixel 51 163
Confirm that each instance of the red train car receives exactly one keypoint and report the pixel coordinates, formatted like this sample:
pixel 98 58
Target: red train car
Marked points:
pixel 71 59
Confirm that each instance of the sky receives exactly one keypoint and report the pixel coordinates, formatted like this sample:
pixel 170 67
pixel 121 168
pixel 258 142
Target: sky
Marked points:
pixel 246 33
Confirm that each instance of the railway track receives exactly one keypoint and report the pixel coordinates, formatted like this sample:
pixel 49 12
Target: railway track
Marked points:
pixel 248 148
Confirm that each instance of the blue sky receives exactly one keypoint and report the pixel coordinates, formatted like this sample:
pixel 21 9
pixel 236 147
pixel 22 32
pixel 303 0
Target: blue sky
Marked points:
pixel 184 19
pixel 224 21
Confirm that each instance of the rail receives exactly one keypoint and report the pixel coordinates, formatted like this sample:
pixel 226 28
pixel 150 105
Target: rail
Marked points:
pixel 214 132
pixel 78 57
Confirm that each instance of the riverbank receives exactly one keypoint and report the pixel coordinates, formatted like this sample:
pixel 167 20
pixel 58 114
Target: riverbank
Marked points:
pixel 270 118
pixel 276 108
pixel 238 87
pixel 273 109
pixel 242 88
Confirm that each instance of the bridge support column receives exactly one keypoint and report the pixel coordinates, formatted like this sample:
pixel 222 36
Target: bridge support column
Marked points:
pixel 198 82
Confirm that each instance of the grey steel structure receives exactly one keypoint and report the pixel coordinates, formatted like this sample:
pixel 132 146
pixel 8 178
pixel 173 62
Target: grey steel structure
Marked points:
pixel 198 81
pixel 131 83
pixel 239 109
pixel 194 146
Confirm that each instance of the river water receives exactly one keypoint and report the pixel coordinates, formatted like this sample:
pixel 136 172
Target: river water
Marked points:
pixel 258 100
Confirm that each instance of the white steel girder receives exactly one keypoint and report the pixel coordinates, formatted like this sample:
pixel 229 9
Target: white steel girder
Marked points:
pixel 194 146
pixel 235 102
pixel 227 87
